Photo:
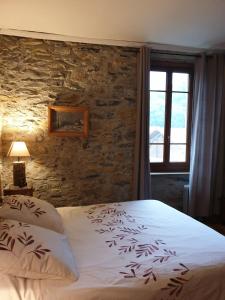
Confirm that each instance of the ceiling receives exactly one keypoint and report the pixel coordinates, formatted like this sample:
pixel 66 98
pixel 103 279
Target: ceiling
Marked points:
pixel 190 23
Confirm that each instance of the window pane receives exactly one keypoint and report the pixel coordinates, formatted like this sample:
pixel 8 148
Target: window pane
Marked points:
pixel 156 153
pixel 157 80
pixel 178 133
pixel 180 82
pixel 177 153
pixel 157 117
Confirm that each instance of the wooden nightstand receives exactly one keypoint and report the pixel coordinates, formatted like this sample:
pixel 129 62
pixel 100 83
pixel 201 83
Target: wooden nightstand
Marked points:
pixel 15 190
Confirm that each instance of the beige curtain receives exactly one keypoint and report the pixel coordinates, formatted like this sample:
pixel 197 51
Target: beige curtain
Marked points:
pixel 141 178
pixel 1 120
pixel 207 170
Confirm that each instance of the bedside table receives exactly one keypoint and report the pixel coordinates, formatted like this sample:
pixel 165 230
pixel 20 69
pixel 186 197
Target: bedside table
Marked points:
pixel 15 190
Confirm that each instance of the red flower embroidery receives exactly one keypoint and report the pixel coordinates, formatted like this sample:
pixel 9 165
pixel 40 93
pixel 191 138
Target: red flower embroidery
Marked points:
pixel 132 274
pixel 38 212
pixel 164 258
pixel 133 265
pixel 110 229
pixel 14 204
pixel 146 249
pixel 39 251
pixel 148 274
pixel 175 286
pixel 111 243
pixel 25 239
pixel 183 270
pixel 29 204
pixel 7 242
pixel 126 248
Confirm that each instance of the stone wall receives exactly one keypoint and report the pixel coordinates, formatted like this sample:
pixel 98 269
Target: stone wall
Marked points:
pixel 1 119
pixel 67 170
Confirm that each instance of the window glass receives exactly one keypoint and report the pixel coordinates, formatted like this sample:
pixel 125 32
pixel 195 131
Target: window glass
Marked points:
pixel 179 110
pixel 180 82
pixel 156 153
pixel 157 81
pixel 157 117
pixel 177 153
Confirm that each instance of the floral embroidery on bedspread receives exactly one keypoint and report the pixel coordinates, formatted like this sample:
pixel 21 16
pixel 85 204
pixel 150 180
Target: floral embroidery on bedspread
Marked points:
pixel 122 233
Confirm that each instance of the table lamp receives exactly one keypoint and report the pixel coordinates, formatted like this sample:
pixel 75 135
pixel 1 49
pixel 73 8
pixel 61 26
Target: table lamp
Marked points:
pixel 19 149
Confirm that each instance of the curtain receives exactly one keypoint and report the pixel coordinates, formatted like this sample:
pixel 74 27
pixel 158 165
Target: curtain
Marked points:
pixel 207 168
pixel 141 176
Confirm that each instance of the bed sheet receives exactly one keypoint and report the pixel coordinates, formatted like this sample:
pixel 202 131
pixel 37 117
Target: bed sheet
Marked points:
pixel 133 250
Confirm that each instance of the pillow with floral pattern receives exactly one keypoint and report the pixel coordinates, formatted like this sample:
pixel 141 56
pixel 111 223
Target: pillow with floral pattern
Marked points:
pixel 31 210
pixel 34 252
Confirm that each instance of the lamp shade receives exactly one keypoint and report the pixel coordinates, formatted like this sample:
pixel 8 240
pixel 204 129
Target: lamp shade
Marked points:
pixel 18 149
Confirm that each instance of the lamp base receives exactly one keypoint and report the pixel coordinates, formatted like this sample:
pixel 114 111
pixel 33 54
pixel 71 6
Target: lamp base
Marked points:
pixel 19 175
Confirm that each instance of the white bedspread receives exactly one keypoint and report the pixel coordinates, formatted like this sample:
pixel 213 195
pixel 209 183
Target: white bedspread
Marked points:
pixel 141 250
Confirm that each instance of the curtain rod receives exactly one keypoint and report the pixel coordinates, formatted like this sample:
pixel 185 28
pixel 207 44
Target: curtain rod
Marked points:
pixel 155 51
pixel 175 53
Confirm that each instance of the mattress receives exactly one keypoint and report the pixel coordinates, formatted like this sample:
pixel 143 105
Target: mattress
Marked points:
pixel 133 250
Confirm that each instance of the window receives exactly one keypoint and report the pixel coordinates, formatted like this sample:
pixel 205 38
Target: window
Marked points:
pixel 170 117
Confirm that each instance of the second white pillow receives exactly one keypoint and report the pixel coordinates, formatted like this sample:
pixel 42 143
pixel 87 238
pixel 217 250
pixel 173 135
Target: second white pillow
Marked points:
pixel 31 210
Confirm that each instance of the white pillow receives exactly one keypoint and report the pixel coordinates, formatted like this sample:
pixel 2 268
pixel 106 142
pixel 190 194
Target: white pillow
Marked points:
pixel 30 251
pixel 31 210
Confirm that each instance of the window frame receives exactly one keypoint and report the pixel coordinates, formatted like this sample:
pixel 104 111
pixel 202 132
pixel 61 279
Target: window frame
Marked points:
pixel 169 68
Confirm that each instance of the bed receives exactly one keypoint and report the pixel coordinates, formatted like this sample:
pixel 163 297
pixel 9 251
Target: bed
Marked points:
pixel 133 250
